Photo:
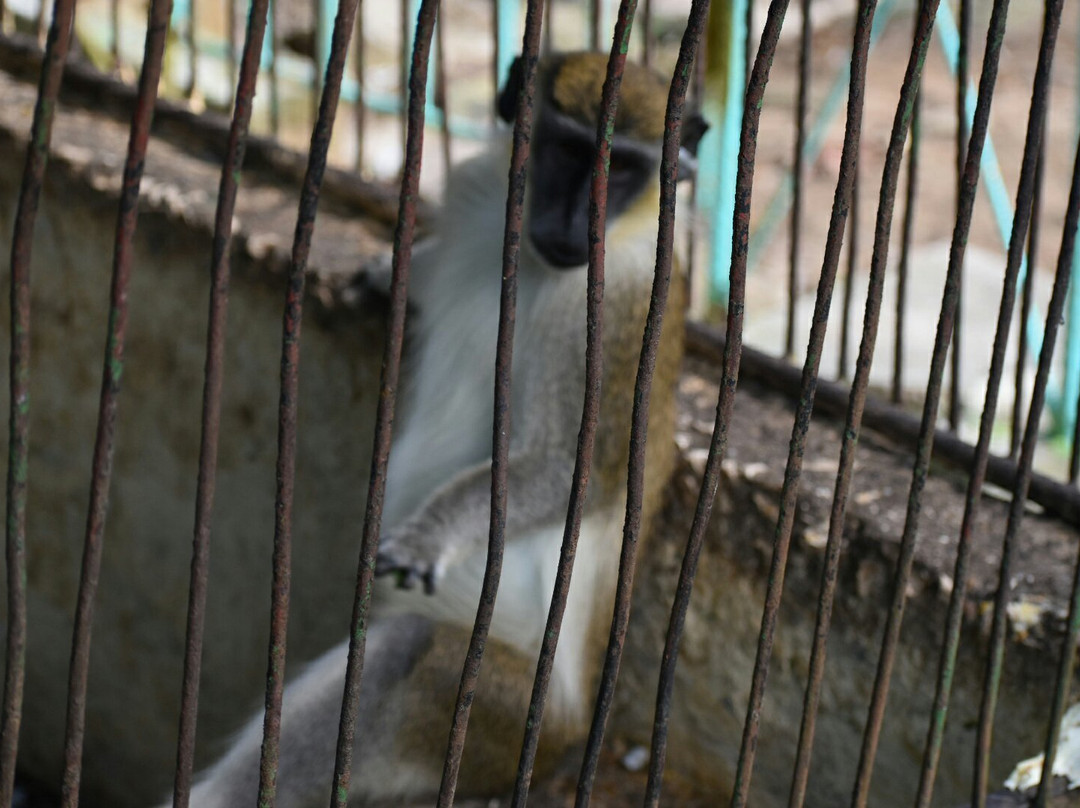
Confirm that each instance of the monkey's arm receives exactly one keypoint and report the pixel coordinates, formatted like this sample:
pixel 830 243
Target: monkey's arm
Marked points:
pixel 455 520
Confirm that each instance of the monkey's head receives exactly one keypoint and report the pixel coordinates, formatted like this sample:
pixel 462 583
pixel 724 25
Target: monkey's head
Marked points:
pixel 564 141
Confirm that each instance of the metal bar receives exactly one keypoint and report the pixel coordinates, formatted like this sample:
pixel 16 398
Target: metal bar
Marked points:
pixel 751 118
pixel 860 383
pixel 156 32
pixel 962 72
pixel 907 239
pixel 37 157
pixel 849 279
pixel 360 107
pixel 290 361
pixel 683 77
pixel 798 175
pixel 1026 303
pixel 384 418
pixel 501 425
pixel 1054 317
pixel 725 404
pixel 212 393
pixel 977 474
pixel 872 731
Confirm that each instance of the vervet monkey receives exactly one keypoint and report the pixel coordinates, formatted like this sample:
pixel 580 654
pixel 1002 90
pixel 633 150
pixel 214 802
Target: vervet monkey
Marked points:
pixel 438 488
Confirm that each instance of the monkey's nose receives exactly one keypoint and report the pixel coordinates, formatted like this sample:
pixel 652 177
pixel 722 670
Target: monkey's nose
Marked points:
pixel 563 254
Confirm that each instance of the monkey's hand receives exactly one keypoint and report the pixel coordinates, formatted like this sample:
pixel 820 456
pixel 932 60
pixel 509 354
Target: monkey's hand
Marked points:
pixel 411 558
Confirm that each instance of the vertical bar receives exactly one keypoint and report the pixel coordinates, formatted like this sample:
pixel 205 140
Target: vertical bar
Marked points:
pixel 684 76
pixel 907 237
pixel 156 32
pixel 860 383
pixel 849 277
pixel 290 360
pixel 37 157
pixel 590 412
pixel 962 73
pixel 384 418
pixel 890 641
pixel 501 428
pixel 1054 315
pixel 212 393
pixel 1024 192
pixel 798 175
pixel 842 199
pixel 361 105
pixel 1023 347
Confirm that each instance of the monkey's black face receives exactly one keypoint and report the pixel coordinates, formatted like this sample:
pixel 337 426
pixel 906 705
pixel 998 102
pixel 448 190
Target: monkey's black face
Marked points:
pixel 561 176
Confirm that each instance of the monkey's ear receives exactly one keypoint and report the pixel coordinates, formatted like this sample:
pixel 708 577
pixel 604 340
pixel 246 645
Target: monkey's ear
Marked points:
pixel 507 102
pixel 694 128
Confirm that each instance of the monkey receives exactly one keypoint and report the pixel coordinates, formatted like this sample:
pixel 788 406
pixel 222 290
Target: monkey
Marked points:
pixel 437 503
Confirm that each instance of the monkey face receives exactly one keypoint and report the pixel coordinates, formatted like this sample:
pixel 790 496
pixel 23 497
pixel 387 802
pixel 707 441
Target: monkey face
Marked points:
pixel 561 177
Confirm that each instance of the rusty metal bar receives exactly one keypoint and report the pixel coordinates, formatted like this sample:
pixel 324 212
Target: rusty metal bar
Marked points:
pixel 907 237
pixel 290 362
pixel 798 173
pixel 683 78
pixel 872 732
pixel 860 383
pixel 37 157
pixel 501 425
pixel 360 110
pixel 384 418
pixel 156 32
pixel 1026 302
pixel 963 60
pixel 740 241
pixel 212 393
pixel 849 279
pixel 590 408
pixel 977 474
